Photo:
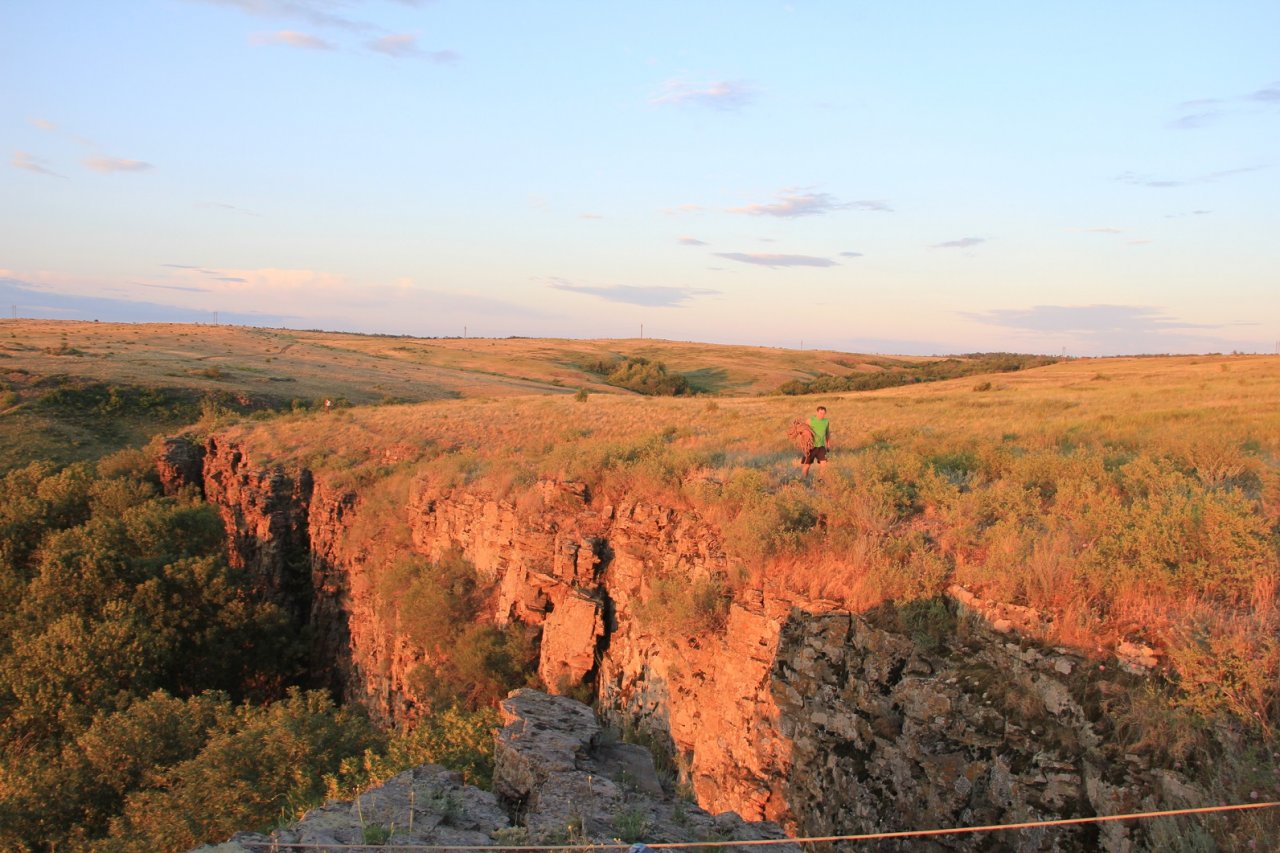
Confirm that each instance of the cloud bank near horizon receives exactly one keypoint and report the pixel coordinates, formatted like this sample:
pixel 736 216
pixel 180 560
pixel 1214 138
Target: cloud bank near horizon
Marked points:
pixel 766 259
pixel 649 296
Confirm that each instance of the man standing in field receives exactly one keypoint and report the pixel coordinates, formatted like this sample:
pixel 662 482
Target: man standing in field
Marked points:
pixel 821 441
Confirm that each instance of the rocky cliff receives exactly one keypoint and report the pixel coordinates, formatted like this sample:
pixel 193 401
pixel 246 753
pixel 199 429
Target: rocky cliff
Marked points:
pixel 925 715
pixel 560 778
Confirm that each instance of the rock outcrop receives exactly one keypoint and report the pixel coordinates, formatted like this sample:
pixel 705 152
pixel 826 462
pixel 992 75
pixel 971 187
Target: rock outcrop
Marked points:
pixel 766 705
pixel 559 778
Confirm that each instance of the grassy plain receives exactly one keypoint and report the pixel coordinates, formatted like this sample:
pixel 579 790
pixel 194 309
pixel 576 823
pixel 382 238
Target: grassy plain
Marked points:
pixel 168 374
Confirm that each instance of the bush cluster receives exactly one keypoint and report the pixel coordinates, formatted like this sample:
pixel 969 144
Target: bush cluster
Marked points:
pixel 639 374
pixel 466 661
pixel 149 701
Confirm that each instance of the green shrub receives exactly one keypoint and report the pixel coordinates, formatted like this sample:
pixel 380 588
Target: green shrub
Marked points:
pixel 642 376
pixel 681 606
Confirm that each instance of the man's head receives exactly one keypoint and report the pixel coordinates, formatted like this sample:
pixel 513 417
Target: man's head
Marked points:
pixel 822 411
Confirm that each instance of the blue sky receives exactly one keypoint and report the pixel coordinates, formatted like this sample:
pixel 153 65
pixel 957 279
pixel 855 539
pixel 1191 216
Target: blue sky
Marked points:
pixel 1099 178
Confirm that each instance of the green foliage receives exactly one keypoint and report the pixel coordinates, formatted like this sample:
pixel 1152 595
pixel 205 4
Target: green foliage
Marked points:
pixel 641 375
pixel 681 606
pixel 456 738
pixel 930 622
pixel 375 834
pixel 769 521
pixel 259 765
pixel 120 613
pixel 1168 532
pixel 632 824
pixel 101 399
pixel 438 607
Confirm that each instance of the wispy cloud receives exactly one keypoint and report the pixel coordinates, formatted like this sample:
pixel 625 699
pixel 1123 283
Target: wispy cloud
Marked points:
pixel 217 205
pixel 764 259
pixel 43 124
pixel 116 164
pixel 405 46
pixel 719 94
pixel 850 254
pixel 962 243
pixel 1140 180
pixel 212 275
pixel 312 11
pixel 265 296
pixel 292 38
pixel 176 287
pixel 793 203
pixel 691 241
pixel 650 296
pixel 1105 329
pixel 1202 112
pixel 1267 94
pixel 38 299
pixel 32 163
pixel 1092 319
pixel 1191 121
pixel 1101 229
pixel 593 216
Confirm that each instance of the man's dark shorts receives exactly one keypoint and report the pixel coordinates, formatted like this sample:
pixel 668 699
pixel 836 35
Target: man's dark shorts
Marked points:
pixel 815 454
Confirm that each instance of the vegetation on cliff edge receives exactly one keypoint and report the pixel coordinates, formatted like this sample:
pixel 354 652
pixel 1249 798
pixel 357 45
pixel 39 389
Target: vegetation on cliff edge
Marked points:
pixel 150 700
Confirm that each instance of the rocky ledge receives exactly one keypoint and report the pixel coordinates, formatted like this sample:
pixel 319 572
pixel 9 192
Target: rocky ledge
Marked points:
pixel 560 777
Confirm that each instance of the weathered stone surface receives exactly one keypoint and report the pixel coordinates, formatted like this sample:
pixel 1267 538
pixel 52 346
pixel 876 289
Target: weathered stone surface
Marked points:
pixel 553 770
pixel 181 463
pixel 571 633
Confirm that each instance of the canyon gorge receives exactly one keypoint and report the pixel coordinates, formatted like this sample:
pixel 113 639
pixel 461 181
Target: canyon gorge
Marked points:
pixel 919 714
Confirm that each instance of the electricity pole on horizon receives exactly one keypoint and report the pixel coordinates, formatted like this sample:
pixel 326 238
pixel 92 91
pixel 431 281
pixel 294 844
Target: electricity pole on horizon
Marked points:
pixel 14 309
pixel 215 318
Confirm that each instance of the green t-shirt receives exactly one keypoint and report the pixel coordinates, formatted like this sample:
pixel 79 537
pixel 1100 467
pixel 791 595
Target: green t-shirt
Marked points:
pixel 819 427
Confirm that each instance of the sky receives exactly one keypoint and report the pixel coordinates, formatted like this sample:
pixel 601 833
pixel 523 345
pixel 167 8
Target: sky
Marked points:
pixel 1088 178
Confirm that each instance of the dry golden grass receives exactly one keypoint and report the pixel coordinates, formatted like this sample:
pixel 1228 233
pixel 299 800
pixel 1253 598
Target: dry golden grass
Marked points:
pixel 370 368
pixel 252 368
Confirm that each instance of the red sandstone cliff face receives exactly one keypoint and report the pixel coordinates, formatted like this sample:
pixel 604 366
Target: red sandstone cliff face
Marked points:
pixel 820 720
pixel 584 572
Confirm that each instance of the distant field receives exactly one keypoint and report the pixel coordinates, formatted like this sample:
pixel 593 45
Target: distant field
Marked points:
pixel 166 375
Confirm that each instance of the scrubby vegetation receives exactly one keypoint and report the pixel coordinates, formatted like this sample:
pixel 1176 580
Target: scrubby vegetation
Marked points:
pixel 150 701
pixel 468 661
pixel 639 374
pixel 891 373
